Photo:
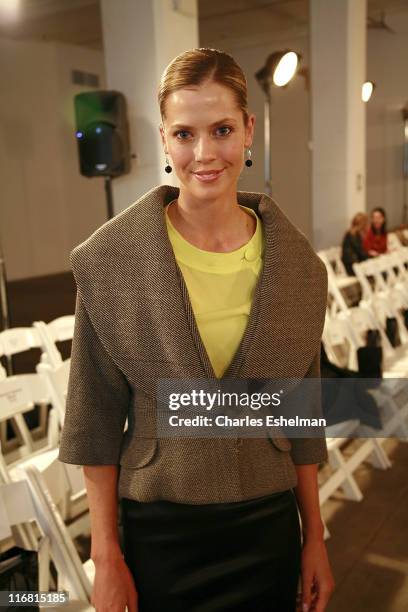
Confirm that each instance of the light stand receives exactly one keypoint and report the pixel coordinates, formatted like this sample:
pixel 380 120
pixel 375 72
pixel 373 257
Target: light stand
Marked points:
pixel 4 307
pixel 277 72
pixel 405 167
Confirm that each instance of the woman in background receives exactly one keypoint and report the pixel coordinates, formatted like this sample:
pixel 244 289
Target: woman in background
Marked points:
pixel 375 241
pixel 353 250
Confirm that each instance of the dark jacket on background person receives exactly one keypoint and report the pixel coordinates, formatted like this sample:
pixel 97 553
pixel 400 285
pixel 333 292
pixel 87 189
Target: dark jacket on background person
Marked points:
pixel 135 325
pixel 352 251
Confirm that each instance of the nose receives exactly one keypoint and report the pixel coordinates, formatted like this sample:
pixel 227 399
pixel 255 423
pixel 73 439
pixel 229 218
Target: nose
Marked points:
pixel 204 150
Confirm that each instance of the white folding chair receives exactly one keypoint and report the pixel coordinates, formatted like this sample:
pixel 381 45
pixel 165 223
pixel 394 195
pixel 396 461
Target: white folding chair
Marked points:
pixel 342 477
pixel 68 493
pixel 398 260
pixel 385 301
pixel 387 267
pixel 73 575
pixel 26 501
pixel 18 395
pixel 58 330
pixel 332 260
pixel 16 513
pixel 393 242
pixel 14 341
pixel 56 380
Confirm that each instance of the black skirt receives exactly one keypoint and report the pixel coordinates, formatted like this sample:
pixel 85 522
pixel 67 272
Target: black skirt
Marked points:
pixel 232 557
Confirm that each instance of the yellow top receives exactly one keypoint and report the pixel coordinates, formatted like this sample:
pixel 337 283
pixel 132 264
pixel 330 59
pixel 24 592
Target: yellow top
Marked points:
pixel 221 288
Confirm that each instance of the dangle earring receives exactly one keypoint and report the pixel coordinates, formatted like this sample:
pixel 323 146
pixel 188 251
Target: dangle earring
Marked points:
pixel 168 168
pixel 248 161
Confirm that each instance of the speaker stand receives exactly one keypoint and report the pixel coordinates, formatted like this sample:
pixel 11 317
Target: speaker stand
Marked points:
pixel 109 197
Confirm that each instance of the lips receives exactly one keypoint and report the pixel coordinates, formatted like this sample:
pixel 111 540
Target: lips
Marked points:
pixel 207 176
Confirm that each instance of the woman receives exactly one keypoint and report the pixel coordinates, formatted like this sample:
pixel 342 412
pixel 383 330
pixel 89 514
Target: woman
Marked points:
pixel 352 247
pixel 375 241
pixel 196 283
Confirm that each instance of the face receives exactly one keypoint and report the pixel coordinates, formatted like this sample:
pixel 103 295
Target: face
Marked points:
pixel 204 136
pixel 377 219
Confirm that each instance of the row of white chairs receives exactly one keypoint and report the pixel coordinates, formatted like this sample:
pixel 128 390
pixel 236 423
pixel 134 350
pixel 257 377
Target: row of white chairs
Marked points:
pixel 32 502
pixel 383 283
pixel 16 340
pixel 19 394
pixel 333 261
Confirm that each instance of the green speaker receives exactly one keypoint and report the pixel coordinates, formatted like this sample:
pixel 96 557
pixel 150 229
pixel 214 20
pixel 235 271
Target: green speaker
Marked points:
pixel 102 133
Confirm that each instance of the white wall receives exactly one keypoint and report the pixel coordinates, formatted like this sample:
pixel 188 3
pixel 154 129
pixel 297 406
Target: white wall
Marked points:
pixel 140 40
pixel 290 124
pixel 46 207
pixel 387 66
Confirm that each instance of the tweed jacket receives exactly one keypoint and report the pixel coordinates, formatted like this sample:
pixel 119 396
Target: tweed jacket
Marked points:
pixel 134 324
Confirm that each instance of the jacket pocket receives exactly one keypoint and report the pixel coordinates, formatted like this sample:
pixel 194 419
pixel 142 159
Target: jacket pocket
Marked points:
pixel 138 452
pixel 280 441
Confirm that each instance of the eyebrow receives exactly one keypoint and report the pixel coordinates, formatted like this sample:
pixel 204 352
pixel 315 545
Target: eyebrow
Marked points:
pixel 187 127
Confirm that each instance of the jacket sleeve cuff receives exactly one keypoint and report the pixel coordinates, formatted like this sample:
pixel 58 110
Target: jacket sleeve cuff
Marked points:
pixel 80 450
pixel 308 450
pixel 311 450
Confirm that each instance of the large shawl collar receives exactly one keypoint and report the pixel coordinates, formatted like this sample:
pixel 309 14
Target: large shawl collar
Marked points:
pixel 138 304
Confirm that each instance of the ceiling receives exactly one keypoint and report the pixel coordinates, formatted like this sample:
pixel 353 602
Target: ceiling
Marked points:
pixel 78 22
pixel 229 19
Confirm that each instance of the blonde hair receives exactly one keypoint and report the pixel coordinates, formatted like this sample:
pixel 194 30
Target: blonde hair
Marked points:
pixel 196 66
pixel 358 223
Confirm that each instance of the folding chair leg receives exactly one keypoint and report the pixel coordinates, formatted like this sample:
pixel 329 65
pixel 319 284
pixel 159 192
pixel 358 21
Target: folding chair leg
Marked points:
pixel 44 564
pixel 378 457
pixel 24 431
pixel 43 412
pixel 397 424
pixel 349 485
pixel 53 429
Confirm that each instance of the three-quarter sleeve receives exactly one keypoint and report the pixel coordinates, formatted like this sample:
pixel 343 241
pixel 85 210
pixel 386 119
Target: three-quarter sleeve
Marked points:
pixel 97 399
pixel 311 450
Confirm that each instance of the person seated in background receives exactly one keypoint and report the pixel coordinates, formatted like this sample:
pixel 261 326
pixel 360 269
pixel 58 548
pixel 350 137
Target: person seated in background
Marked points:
pixel 375 241
pixel 352 247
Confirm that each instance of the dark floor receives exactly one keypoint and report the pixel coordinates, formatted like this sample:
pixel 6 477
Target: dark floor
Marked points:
pixel 368 546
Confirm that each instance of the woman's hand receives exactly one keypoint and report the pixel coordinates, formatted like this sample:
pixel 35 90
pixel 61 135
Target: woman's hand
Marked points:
pixel 317 577
pixel 114 587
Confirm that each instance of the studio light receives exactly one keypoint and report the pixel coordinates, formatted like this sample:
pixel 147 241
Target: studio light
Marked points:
pixel 367 90
pixel 286 69
pixel 279 69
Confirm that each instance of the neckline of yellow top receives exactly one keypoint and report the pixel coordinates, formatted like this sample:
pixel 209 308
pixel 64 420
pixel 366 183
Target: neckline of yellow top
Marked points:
pixel 190 255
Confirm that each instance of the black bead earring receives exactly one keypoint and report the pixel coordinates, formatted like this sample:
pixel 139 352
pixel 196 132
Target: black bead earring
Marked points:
pixel 168 168
pixel 248 161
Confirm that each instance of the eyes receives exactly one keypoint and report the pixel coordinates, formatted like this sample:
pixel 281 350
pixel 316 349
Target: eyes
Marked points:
pixel 222 132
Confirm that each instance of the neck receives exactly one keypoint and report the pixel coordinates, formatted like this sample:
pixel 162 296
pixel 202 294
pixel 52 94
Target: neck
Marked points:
pixel 218 225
